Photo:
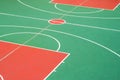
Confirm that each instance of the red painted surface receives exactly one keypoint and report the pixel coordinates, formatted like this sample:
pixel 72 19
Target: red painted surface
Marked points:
pixel 28 63
pixel 56 21
pixel 103 4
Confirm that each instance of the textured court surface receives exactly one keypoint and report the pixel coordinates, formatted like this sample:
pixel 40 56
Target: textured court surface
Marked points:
pixel 90 35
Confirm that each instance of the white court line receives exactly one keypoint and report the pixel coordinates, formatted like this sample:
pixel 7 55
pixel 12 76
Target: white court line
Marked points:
pixel 72 35
pixel 50 12
pixel 5 35
pixel 82 25
pixel 116 7
pixel 57 66
pixel 1 77
pixel 7 14
pixel 94 27
pixel 90 12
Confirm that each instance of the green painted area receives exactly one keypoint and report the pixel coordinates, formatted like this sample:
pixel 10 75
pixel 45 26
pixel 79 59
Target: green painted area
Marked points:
pixel 92 44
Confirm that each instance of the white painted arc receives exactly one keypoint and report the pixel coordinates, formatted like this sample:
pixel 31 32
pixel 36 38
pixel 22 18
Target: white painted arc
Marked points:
pixel 6 35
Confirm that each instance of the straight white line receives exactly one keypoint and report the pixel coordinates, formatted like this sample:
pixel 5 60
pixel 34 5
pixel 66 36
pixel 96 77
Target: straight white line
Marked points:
pixel 116 7
pixel 7 14
pixel 33 47
pixel 95 27
pixel 81 25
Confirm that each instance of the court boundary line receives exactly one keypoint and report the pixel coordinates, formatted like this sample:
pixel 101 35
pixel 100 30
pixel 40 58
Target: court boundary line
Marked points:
pixel 21 16
pixel 116 7
pixel 94 27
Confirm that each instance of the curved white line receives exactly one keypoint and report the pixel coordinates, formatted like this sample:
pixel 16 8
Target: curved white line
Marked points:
pixel 58 42
pixel 34 8
pixel 91 12
pixel 72 35
pixel 7 14
pixel 88 40
pixel 1 77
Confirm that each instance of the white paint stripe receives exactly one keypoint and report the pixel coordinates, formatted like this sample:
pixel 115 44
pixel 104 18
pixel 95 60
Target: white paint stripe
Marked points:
pixel 116 7
pixel 7 14
pixel 95 27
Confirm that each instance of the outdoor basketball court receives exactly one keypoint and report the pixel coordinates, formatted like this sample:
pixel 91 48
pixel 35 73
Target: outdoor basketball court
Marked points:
pixel 59 40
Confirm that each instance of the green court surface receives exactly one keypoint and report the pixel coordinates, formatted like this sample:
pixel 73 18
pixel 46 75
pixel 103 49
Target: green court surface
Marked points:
pixel 91 36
